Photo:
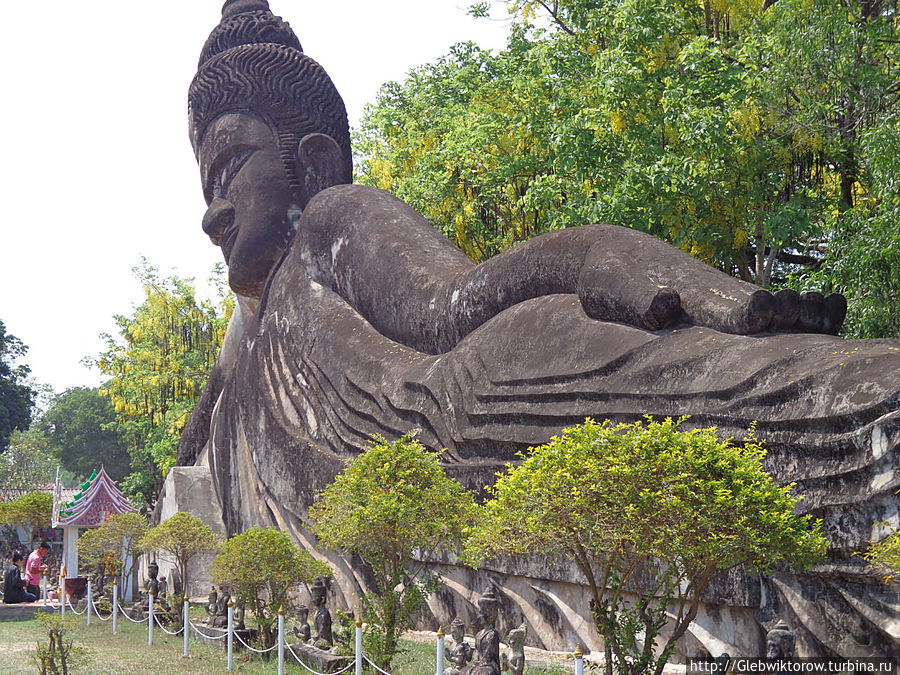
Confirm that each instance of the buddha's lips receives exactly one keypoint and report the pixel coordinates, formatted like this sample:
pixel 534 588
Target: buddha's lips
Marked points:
pixel 228 239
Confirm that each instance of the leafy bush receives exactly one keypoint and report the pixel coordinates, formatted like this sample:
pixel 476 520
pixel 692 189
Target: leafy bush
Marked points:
pixel 649 511
pixel 112 547
pixel 394 507
pixel 885 556
pixel 181 538
pixel 259 567
pixel 59 654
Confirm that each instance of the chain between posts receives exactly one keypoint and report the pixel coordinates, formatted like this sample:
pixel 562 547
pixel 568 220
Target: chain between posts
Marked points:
pixel 91 609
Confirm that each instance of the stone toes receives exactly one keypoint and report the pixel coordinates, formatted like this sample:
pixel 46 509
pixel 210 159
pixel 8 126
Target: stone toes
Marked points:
pixel 759 312
pixel 665 309
pixel 812 312
pixel 787 309
pixel 835 313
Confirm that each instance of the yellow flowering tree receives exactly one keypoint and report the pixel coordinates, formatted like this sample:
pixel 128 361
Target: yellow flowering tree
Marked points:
pixel 157 365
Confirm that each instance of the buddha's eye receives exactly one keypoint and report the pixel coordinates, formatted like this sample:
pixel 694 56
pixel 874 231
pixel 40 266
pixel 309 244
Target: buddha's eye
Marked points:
pixel 222 179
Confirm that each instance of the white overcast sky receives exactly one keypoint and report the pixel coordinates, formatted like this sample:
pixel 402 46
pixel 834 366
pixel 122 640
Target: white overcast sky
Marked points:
pixel 97 170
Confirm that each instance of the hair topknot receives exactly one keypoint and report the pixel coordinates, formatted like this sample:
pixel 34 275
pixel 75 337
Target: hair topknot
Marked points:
pixel 247 22
pixel 252 61
pixel 237 6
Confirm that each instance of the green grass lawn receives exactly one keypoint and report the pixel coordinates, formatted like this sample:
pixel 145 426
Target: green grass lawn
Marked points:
pixel 127 653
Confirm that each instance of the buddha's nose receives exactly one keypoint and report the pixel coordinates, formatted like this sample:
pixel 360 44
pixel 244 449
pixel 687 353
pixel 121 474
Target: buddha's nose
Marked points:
pixel 218 218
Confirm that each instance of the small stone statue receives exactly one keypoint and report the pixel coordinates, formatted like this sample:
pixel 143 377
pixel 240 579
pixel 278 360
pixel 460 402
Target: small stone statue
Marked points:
pixel 460 653
pixel 344 632
pixel 515 661
pixel 139 609
pixel 211 604
pixel 218 608
pixel 237 616
pixel 152 585
pixel 780 642
pixel 323 638
pixel 301 630
pixel 487 641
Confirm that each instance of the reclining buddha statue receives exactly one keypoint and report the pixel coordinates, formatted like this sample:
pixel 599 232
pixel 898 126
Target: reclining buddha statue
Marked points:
pixel 358 317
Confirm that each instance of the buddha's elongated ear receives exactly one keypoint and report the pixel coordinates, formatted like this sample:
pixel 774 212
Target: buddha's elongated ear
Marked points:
pixel 319 165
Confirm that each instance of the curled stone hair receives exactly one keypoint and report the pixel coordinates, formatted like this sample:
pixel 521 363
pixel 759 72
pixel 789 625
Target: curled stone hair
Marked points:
pixel 252 63
pixel 247 22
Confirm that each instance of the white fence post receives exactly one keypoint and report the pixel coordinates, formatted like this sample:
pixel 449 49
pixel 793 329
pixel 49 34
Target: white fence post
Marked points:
pixel 440 650
pixel 115 599
pixel 281 641
pixel 150 618
pixel 359 650
pixel 579 660
pixel 187 606
pixel 230 635
pixel 62 596
pixel 44 584
pixel 88 609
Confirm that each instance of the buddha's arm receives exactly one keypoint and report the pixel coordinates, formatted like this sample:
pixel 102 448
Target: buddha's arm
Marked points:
pixel 416 287
pixel 384 259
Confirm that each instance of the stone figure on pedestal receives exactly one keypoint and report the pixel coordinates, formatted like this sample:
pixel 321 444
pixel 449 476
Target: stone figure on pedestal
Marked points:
pixel 323 639
pixel 357 317
pixel 301 630
pixel 780 642
pixel 486 660
pixel 459 653
pixel 514 662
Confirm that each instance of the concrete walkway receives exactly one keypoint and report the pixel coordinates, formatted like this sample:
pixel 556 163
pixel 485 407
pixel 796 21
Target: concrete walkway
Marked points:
pixel 26 610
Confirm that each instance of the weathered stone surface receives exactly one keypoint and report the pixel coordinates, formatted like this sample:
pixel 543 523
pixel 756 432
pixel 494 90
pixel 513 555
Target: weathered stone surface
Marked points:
pixel 319 660
pixel 369 321
pixel 191 489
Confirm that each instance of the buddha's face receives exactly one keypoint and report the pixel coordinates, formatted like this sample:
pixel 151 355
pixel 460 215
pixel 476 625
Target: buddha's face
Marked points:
pixel 249 198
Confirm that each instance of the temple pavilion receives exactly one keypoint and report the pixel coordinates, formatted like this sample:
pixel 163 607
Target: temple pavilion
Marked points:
pixel 97 499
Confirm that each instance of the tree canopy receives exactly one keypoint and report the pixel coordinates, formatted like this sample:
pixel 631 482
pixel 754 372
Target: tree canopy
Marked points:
pixel 394 507
pixel 158 365
pixel 33 511
pixel 650 511
pixel 760 137
pixel 113 547
pixel 80 426
pixel 181 538
pixel 261 567
pixel 16 397
pixel 29 464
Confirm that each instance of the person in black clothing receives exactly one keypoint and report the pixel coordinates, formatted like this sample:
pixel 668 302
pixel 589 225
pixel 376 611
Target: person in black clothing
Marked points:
pixel 13 583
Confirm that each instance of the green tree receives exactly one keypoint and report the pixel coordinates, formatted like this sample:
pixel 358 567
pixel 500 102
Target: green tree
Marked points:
pixel 180 539
pixel 394 507
pixel 81 427
pixel 759 137
pixel 114 545
pixel 157 366
pixel 260 567
pixel 649 510
pixel 885 555
pixel 16 397
pixel 29 463
pixel 32 511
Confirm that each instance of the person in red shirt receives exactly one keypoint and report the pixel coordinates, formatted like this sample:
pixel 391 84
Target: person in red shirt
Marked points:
pixel 35 567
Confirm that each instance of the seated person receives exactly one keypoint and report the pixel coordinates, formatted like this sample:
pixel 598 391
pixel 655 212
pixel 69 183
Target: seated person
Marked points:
pixel 14 582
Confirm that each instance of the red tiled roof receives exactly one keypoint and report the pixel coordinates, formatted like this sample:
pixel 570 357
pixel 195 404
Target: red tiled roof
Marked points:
pixel 98 501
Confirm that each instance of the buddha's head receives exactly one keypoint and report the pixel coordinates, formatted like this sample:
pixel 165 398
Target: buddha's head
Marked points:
pixel 269 130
